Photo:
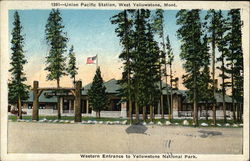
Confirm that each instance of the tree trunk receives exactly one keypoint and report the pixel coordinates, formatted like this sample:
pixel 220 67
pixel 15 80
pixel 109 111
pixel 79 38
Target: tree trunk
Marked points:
pixel 128 64
pixel 238 112
pixel 224 108
pixel 58 108
pixel 195 117
pixel 35 110
pixel 98 113
pixel 74 81
pixel 224 112
pixel 161 106
pixel 206 106
pixel 168 103
pixel 241 111
pixel 130 112
pixel 214 113
pixel 58 100
pixel 195 98
pixel 213 75
pixel 151 113
pixel 171 92
pixel 144 113
pixel 136 112
pixel 200 109
pixel 164 50
pixel 19 108
pixel 161 97
pixel 233 105
pixel 223 92
pixel 78 114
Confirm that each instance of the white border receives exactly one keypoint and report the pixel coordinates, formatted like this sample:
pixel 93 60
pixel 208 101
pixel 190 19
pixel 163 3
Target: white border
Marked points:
pixel 4 59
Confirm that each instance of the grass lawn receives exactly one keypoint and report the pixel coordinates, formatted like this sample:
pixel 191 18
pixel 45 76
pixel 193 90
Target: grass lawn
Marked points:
pixel 176 122
pixel 14 118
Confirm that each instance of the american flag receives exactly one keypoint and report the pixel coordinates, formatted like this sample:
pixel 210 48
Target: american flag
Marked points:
pixel 91 60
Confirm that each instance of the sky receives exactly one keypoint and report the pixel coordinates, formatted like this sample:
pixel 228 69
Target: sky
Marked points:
pixel 91 33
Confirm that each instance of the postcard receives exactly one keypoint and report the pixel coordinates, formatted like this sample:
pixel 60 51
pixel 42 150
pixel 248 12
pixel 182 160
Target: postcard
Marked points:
pixel 125 80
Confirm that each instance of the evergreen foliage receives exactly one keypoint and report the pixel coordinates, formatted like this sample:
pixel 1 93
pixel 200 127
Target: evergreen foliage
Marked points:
pixel 18 90
pixel 222 48
pixel 56 40
pixel 170 60
pixel 146 63
pixel 98 99
pixel 190 33
pixel 235 58
pixel 72 69
pixel 141 56
pixel 158 27
pixel 124 22
pixel 212 24
pixel 205 81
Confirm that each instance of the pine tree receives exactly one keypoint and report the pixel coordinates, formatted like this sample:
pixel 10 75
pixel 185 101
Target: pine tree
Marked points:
pixel 212 20
pixel 169 62
pixel 98 99
pixel 154 74
pixel 222 48
pixel 235 58
pixel 138 65
pixel 158 26
pixel 141 59
pixel 72 69
pixel 190 34
pixel 205 81
pixel 56 40
pixel 18 90
pixel 124 23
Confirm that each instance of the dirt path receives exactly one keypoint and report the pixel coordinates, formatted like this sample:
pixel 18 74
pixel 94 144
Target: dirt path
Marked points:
pixel 78 138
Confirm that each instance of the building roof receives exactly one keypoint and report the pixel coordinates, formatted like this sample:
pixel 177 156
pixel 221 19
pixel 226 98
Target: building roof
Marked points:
pixel 112 87
pixel 218 97
pixel 42 98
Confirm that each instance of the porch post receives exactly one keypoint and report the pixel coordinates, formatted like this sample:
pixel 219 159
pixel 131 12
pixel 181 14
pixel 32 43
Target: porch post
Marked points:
pixel 159 109
pixel 78 116
pixel 35 101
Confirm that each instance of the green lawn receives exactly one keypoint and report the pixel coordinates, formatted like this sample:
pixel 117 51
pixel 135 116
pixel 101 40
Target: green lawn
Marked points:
pixel 174 121
pixel 14 118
